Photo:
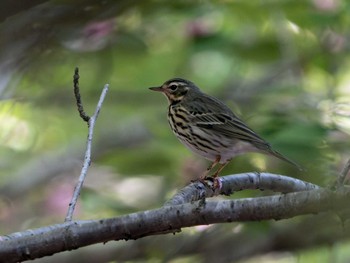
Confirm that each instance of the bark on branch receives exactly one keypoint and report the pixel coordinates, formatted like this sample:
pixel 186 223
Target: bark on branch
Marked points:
pixel 52 239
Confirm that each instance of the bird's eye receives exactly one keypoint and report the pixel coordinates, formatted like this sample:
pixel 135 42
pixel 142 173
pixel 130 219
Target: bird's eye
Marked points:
pixel 173 87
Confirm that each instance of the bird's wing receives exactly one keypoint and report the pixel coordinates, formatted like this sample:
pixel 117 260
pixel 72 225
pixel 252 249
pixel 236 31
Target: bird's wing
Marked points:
pixel 229 126
pixel 209 113
pixel 217 117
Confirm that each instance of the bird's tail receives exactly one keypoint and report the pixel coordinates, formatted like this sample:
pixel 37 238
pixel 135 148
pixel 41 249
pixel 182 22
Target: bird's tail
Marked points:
pixel 284 158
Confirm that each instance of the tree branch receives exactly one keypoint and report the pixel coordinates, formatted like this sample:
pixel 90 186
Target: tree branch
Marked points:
pixel 237 182
pixel 220 244
pixel 44 241
pixel 91 124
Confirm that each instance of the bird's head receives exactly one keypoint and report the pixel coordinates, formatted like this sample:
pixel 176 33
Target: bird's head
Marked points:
pixel 177 89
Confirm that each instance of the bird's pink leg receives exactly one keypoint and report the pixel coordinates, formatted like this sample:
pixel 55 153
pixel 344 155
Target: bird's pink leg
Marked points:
pixel 217 182
pixel 221 167
pixel 211 166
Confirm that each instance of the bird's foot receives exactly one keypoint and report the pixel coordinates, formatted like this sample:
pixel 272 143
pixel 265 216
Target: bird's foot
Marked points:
pixel 203 180
pixel 213 182
pixel 217 183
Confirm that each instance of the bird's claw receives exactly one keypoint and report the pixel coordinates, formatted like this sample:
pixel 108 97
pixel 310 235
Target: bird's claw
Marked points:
pixel 214 183
pixel 217 184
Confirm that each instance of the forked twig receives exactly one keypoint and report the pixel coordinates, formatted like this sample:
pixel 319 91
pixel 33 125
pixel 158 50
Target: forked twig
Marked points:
pixel 91 124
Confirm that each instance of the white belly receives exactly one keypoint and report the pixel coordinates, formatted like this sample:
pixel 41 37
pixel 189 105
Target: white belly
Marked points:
pixel 223 147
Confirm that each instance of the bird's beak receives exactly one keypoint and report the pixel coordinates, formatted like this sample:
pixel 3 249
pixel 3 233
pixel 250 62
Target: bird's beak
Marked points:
pixel 157 88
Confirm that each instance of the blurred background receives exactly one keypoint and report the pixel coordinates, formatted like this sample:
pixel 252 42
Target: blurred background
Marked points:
pixel 282 66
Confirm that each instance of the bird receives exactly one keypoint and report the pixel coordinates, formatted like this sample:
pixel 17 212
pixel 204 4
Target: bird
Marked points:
pixel 209 128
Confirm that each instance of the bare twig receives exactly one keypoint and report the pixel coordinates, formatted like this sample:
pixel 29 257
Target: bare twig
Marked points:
pixel 82 113
pixel 87 159
pixel 342 176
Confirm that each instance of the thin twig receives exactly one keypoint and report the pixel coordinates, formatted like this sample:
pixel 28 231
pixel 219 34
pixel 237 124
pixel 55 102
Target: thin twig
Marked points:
pixel 87 158
pixel 343 174
pixel 82 113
